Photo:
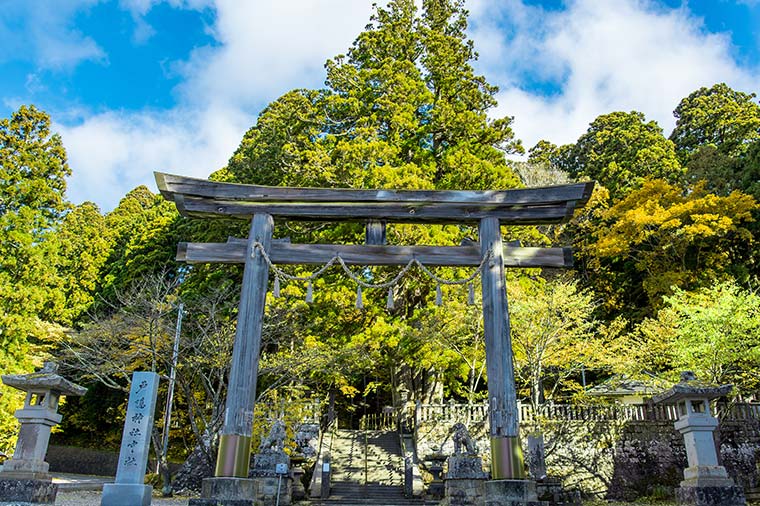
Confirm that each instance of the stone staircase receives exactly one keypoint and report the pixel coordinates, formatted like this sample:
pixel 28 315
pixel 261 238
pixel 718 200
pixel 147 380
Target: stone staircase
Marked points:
pixel 380 483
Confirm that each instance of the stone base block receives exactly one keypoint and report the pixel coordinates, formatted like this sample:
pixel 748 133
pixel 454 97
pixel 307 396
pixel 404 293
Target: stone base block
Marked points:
pixel 221 502
pixel 265 464
pixel 549 490
pixel 711 496
pixel 266 490
pixel 465 467
pixel 29 469
pixel 27 492
pixel 711 472
pixel 466 492
pixel 126 494
pixel 26 476
pixel 229 489
pixel 436 489
pixel 298 491
pixel 512 493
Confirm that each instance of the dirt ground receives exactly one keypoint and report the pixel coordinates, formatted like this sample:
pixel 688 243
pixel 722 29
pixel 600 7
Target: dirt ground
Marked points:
pixel 92 498
pixel 71 498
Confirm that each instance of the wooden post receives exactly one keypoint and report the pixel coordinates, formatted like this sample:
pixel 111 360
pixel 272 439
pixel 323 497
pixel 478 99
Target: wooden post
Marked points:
pixel 235 439
pixel 506 453
pixel 375 232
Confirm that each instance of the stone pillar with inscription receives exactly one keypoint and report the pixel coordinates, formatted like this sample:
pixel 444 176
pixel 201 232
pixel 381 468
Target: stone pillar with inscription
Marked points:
pixel 129 489
pixel 25 478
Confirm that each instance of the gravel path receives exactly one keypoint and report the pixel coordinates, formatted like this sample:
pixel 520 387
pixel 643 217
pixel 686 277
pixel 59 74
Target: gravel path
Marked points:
pixel 92 498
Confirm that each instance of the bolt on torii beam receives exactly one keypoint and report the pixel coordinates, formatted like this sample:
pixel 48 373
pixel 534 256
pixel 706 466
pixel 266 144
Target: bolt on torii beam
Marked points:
pixel 262 204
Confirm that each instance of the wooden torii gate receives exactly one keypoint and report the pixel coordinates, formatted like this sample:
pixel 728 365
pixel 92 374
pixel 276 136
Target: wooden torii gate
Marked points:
pixel 487 209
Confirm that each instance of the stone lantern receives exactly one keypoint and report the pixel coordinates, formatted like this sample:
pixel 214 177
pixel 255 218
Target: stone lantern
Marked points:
pixel 705 483
pixel 25 478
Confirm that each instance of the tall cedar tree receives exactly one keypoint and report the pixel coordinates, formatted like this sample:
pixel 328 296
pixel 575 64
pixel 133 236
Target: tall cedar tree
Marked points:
pixel 402 109
pixel 619 150
pixel 33 168
pixel 726 119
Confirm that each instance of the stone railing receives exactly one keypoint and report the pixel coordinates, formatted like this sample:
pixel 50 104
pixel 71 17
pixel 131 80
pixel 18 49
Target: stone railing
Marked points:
pixel 577 412
pixel 740 411
pixel 464 413
pixel 476 413
pixel 305 411
pixel 379 421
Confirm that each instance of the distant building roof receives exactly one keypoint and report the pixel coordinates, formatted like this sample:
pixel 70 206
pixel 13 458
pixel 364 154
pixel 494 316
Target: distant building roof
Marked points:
pixel 622 384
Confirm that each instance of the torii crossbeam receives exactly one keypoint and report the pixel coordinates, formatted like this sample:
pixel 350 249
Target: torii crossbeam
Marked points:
pixel 262 204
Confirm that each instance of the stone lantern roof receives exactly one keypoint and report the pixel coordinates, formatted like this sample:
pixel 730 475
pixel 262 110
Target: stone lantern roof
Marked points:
pixel 46 378
pixel 691 388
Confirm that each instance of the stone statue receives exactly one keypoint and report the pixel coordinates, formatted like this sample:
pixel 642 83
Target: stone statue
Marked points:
pixel 48 368
pixel 307 437
pixel 275 441
pixel 463 443
pixel 464 476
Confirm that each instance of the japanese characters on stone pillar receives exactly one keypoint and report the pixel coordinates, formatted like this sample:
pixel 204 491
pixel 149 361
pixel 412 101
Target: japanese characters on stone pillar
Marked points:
pixel 129 488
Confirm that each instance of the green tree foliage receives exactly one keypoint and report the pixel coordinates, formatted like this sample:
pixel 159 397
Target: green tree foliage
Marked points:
pixel 542 167
pixel 33 168
pixel 619 151
pixel 717 136
pixel 720 117
pixel 712 331
pixel 403 109
pixel 554 336
pixel 143 239
pixel 750 171
pixel 544 152
pixel 83 247
pixel 718 172
pixel 449 339
pixel 659 237
pixel 32 182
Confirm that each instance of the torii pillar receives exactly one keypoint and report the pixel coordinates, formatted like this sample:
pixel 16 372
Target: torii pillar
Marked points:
pixel 231 484
pixel 508 484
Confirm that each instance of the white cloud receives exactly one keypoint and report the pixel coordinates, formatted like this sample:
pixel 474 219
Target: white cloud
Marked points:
pixel 600 57
pixel 265 49
pixel 268 47
pixel 113 152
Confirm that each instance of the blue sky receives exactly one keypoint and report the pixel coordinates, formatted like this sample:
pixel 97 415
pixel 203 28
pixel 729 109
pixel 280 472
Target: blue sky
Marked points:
pixel 140 85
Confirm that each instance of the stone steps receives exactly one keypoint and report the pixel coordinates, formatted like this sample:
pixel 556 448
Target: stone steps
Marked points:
pixel 380 483
pixel 345 494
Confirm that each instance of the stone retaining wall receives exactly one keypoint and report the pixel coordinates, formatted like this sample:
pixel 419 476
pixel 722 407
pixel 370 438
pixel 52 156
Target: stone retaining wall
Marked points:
pixel 652 454
pixel 616 459
pixel 71 459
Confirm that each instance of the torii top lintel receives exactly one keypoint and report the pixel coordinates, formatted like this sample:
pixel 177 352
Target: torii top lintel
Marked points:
pixel 525 206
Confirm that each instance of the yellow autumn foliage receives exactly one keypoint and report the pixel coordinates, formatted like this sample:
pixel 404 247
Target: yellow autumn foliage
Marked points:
pixel 660 236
